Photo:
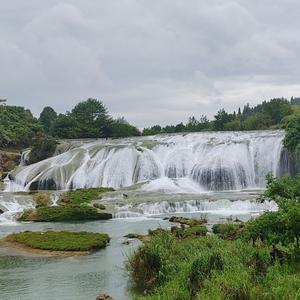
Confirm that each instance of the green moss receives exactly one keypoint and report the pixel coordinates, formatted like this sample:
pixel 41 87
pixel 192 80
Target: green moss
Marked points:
pixel 64 214
pixel 60 241
pixel 99 206
pixel 41 199
pixel 188 221
pixel 84 195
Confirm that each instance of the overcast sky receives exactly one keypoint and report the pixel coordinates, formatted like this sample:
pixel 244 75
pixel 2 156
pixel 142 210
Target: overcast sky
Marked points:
pixel 151 61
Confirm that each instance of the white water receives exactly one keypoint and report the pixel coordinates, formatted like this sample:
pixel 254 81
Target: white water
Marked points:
pixel 176 163
pixel 12 205
pixel 219 207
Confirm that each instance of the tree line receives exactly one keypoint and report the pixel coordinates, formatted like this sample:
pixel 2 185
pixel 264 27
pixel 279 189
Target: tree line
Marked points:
pixel 91 119
pixel 267 115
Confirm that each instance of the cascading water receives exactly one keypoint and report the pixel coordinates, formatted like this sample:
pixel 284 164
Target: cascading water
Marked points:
pixel 205 161
pixel 11 205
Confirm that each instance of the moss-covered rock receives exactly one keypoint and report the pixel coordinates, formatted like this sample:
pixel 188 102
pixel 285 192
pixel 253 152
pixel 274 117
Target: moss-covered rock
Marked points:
pixel 99 206
pixel 60 241
pixel 41 199
pixel 187 221
pixel 80 196
pixel 64 214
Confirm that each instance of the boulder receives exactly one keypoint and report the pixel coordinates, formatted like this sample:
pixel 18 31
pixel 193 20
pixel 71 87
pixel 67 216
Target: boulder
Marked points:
pixel 104 297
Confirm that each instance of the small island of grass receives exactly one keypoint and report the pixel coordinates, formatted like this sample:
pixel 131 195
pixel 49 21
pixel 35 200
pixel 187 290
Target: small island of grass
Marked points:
pixel 58 241
pixel 75 205
pixel 67 213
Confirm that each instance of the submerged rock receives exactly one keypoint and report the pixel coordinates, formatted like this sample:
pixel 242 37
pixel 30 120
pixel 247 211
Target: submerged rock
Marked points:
pixel 104 297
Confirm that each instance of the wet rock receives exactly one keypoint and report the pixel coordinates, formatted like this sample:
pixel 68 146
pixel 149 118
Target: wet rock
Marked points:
pixel 1 211
pixel 104 297
pixel 187 221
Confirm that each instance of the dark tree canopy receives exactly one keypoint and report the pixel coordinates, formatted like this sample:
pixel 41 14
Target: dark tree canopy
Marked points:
pixel 47 117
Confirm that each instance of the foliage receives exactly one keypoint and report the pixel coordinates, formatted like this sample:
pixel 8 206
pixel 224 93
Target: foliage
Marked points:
pixel 67 213
pixel 188 232
pixel 92 119
pixel 281 226
pixel 60 240
pixel 121 128
pixel 228 231
pixel 209 268
pixel 65 127
pixel 47 118
pixel 17 126
pixel 268 114
pixel 43 147
pixel 282 190
pixel 292 137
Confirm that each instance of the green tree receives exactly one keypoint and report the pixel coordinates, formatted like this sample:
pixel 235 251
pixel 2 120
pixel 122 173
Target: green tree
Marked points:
pixel 292 137
pixel 47 117
pixel 92 118
pixel 65 127
pixel 221 118
pixel 121 128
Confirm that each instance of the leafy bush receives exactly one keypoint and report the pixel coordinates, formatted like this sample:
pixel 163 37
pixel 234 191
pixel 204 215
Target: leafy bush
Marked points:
pixel 229 231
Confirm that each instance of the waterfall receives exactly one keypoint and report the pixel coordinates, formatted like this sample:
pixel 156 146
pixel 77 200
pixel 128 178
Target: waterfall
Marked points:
pixel 222 207
pixel 208 161
pixel 11 205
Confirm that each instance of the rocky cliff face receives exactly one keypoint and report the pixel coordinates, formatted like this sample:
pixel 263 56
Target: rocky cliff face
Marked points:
pixel 8 161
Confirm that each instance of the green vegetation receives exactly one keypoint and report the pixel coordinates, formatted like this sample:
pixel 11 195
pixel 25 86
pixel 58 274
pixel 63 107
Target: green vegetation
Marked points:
pixel 268 114
pixel 73 206
pixel 79 196
pixel 99 206
pixel 43 147
pixel 228 231
pixel 17 126
pixel 210 268
pixel 292 138
pixel 188 221
pixel 60 241
pixel 88 119
pixel 64 214
pixel 259 259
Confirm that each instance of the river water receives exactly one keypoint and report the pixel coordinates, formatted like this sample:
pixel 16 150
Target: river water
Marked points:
pixel 217 175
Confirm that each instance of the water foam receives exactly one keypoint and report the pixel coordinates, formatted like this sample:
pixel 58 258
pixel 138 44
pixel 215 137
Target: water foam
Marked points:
pixel 181 162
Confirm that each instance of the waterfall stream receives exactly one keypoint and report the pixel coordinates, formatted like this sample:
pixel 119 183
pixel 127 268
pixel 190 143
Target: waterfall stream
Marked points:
pixel 212 161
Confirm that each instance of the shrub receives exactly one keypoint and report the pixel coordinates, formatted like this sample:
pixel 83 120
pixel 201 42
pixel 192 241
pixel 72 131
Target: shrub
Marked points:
pixel 228 231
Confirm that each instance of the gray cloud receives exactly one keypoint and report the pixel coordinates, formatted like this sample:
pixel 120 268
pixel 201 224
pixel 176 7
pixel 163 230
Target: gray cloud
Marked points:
pixel 150 61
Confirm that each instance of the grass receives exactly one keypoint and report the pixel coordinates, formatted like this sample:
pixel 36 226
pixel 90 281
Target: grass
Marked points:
pixel 229 231
pixel 60 241
pixel 74 206
pixel 80 196
pixel 209 267
pixel 64 214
